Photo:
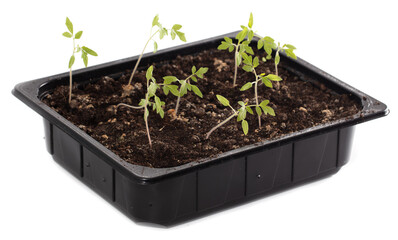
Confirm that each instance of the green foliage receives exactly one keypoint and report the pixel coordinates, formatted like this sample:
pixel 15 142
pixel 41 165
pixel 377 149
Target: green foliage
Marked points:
pixel 156 103
pixel 84 50
pixel 242 46
pixel 184 85
pixel 162 31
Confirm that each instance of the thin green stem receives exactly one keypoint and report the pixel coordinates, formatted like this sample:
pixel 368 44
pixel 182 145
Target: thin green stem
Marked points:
pixel 179 95
pixel 236 65
pixel 256 96
pixel 221 123
pixel 127 105
pixel 70 74
pixel 139 58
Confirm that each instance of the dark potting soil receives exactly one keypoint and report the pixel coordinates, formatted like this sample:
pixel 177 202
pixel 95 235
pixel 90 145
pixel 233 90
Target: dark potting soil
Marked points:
pixel 298 105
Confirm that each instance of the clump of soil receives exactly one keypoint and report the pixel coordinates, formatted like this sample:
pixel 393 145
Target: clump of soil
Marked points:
pixel 298 105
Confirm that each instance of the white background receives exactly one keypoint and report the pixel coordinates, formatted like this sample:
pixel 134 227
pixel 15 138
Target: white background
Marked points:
pixel 356 41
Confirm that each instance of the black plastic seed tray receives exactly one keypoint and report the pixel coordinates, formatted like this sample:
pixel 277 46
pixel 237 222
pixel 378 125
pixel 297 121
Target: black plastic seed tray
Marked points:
pixel 169 195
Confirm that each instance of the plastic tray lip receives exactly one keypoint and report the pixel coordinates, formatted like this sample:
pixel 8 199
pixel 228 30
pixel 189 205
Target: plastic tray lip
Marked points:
pixel 28 92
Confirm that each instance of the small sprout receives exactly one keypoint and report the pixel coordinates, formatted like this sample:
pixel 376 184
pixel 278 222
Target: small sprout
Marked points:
pixel 288 49
pixel 84 50
pixel 161 31
pixel 240 114
pixel 241 47
pixel 250 66
pixel 150 100
pixel 185 85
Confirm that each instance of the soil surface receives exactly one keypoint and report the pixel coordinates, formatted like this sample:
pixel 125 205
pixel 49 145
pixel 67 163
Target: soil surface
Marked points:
pixel 298 105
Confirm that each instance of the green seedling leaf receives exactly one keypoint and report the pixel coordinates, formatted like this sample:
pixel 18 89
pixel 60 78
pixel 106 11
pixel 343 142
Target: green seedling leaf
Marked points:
pixel 250 24
pixel 274 77
pixel 228 40
pixel 89 51
pixel 201 71
pixel 290 46
pixel 78 34
pixel 277 58
pixel 269 110
pixel 245 127
pixel 224 45
pixel 149 73
pixel 67 34
pixel 264 103
pixel 85 58
pixel 152 89
pixel 71 61
pixel 194 79
pixel 174 90
pixel 266 82
pixel 255 62
pixel 258 110
pixel 176 27
pixel 247 68
pixel 193 69
pixel 155 20
pixel 223 100
pixel 241 114
pixel 155 46
pixel 69 25
pixel 290 53
pixel 246 86
pixel 169 79
pixel 197 91
pixel 249 110
pixel 181 35
pixel 183 89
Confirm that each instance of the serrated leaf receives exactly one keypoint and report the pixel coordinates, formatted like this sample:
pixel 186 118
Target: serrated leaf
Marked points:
pixel 266 82
pixel 85 58
pixel 258 110
pixel 189 86
pixel 290 46
pixel 241 103
pixel 245 127
pixel 247 68
pixel 246 86
pixel 142 102
pixel 155 20
pixel 149 73
pixel 223 46
pixel 264 103
pixel 173 34
pixel 166 90
pixel 158 104
pixel 193 69
pixel 241 114
pixel 255 62
pixel 250 35
pixel 269 110
pixel 161 113
pixel 249 110
pixel 181 35
pixel 247 59
pixel 69 25
pixel 269 39
pixel 241 35
pixel 174 90
pixel 249 49
pixel 176 27
pixel 66 34
pixel 89 51
pixel 228 40
pixel 260 44
pixel 197 91
pixel 231 48
pixel 250 24
pixel 290 53
pixel 194 79
pixel 274 77
pixel 169 79
pixel 201 71
pixel 155 46
pixel 78 34
pixel 223 100
pixel 152 89
pixel 71 61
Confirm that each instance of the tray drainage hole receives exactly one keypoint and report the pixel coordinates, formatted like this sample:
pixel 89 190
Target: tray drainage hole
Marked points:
pixel 258 175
